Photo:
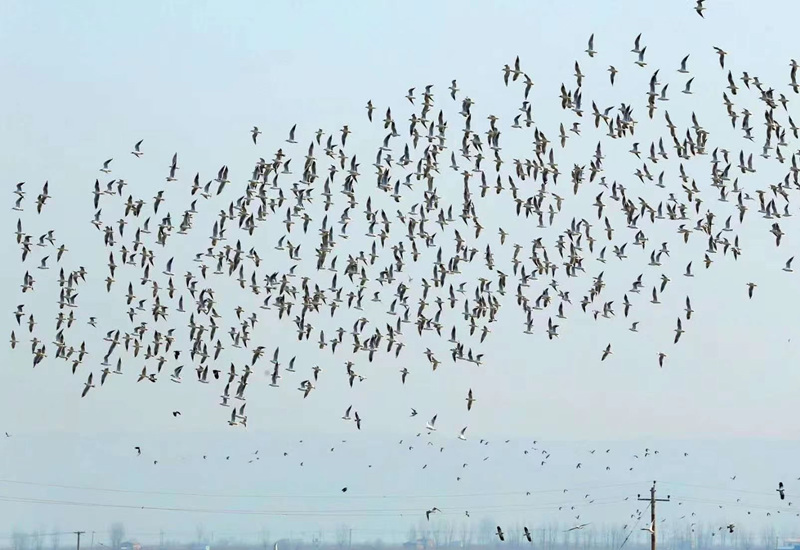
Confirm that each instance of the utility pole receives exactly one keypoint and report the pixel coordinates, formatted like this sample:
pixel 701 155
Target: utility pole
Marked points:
pixel 79 533
pixel 653 501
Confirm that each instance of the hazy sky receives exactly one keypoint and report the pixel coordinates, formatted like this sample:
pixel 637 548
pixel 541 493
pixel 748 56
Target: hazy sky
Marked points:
pixel 84 81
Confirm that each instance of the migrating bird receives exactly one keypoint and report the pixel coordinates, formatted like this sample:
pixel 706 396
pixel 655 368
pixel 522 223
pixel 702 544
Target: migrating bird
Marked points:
pixel 470 400
pixel 137 149
pixel 430 426
pixel 578 527
pixel 88 385
pixel 699 8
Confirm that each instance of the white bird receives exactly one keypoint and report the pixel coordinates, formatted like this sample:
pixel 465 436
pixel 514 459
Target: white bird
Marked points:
pixel 274 379
pixel 176 376
pixel 88 385
pixel 470 400
pixel 461 435
pixel 431 424
pixel 578 527
pixel 291 135
pixel 306 386
pixel 137 149
pixel 683 65
pixel 590 49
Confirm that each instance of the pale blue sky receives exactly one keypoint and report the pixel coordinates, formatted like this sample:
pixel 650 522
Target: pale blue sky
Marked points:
pixel 84 81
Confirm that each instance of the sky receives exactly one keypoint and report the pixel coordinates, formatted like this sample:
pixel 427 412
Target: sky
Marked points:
pixel 84 82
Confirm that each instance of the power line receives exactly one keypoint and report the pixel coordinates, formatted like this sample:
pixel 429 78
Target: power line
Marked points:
pixel 293 513
pixel 727 503
pixel 334 497
pixel 624 542
pixel 373 496
pixel 718 488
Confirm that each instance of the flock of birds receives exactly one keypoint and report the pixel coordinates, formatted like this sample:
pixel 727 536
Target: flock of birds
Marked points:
pixel 275 197
pixel 444 238
pixel 179 310
pixel 575 506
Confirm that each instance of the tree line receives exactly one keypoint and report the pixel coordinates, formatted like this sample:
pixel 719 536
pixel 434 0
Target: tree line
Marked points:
pixel 444 533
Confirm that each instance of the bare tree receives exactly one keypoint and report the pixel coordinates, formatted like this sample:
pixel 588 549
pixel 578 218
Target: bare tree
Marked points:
pixel 436 532
pixel 705 536
pixel 565 537
pixel 342 536
pixel 617 536
pixel 37 539
pixel 450 534
pixel 115 534
pixel 768 537
pixel 55 540
pixel 200 533
pixel 486 531
pixel 19 540
pixel 552 535
pixel 412 534
pixel 466 535
pixel 423 529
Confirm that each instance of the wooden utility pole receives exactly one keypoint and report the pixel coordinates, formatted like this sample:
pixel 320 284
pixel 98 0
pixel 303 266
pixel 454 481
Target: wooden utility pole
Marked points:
pixel 653 501
pixel 79 533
